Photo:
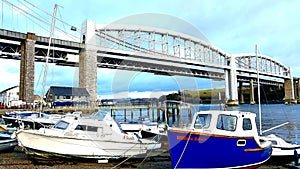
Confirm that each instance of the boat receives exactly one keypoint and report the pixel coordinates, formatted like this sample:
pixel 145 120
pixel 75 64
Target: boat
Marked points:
pixel 8 140
pixel 283 152
pixel 94 137
pixel 35 120
pixel 143 127
pixel 218 139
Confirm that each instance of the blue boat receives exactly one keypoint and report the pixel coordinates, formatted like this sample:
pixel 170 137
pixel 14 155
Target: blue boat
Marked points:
pixel 8 141
pixel 218 139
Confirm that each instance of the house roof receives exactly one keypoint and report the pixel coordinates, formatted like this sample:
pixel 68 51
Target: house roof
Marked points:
pixel 68 91
pixel 8 89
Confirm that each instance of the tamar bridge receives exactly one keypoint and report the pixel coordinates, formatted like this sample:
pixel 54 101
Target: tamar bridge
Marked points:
pixel 144 49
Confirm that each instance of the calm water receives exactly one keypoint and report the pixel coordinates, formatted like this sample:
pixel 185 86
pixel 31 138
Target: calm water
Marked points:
pixel 276 114
pixel 272 115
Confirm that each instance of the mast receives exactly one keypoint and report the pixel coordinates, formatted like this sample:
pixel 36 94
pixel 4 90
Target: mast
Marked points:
pixel 258 90
pixel 48 52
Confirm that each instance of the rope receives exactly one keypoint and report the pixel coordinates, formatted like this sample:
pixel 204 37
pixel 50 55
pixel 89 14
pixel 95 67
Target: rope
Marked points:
pixel 183 151
pixel 147 155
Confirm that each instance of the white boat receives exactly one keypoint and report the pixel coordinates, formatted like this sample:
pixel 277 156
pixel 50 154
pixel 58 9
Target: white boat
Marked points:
pixel 91 138
pixel 36 120
pixel 144 127
pixel 283 152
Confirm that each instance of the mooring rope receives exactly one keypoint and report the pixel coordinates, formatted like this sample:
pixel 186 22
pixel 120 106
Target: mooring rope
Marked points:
pixel 147 155
pixel 134 155
pixel 183 151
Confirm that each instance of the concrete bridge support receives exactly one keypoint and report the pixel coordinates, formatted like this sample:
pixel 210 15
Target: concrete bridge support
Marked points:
pixel 88 60
pixel 26 91
pixel 289 91
pixel 297 89
pixel 241 94
pixel 252 100
pixel 88 72
pixel 232 84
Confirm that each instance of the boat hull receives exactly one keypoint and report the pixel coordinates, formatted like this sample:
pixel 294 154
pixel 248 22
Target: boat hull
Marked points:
pixel 8 144
pixel 47 146
pixel 199 150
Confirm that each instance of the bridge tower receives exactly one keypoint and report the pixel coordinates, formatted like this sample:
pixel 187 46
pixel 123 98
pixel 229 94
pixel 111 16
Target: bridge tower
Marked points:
pixel 88 60
pixel 231 83
pixel 289 89
pixel 26 91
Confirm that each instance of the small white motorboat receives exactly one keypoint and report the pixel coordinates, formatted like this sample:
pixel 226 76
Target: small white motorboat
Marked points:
pixel 79 137
pixel 144 127
pixel 283 152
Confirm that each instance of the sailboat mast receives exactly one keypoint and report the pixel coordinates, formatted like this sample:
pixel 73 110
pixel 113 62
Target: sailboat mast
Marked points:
pixel 48 52
pixel 258 90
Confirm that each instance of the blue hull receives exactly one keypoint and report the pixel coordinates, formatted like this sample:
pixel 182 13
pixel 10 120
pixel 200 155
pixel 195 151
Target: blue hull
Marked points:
pixel 8 144
pixel 197 150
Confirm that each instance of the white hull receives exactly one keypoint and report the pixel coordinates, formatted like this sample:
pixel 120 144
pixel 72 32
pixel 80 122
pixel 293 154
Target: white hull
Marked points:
pixel 280 147
pixel 83 148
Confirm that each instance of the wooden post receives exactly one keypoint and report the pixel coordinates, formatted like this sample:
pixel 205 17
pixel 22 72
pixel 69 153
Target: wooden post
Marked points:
pixel 131 114
pixel 178 115
pixel 125 115
pixel 158 113
pixel 152 112
pixel 115 114
pixel 190 114
pixel 173 114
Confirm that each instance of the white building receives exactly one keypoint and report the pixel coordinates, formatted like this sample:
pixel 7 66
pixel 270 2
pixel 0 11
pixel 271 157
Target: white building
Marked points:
pixel 10 97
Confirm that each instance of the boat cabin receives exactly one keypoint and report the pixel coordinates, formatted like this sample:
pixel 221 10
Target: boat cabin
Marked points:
pixel 222 122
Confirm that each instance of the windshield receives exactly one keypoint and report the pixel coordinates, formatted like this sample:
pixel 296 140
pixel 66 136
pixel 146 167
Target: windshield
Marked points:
pixel 61 125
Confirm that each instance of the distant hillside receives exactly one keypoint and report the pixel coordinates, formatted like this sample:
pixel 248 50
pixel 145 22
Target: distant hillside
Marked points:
pixel 198 96
pixel 269 94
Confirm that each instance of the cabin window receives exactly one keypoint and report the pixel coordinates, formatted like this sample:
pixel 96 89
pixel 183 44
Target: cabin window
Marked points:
pixel 247 124
pixel 61 125
pixel 226 122
pixel 79 127
pixel 202 121
pixel 92 128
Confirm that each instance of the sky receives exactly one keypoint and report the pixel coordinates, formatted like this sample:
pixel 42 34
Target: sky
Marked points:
pixel 235 26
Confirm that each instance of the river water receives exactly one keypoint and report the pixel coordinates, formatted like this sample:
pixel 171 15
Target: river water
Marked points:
pixel 272 116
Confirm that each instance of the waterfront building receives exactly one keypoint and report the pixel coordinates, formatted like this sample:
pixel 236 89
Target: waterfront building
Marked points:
pixel 66 96
pixel 10 97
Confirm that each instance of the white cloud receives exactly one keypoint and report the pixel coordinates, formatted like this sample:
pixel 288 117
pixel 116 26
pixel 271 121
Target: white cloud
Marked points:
pixel 9 73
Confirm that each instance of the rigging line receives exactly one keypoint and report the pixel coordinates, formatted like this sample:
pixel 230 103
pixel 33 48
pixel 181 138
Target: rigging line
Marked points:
pixel 45 22
pixel 31 9
pixel 42 69
pixel 61 17
pixel 14 6
pixel 64 22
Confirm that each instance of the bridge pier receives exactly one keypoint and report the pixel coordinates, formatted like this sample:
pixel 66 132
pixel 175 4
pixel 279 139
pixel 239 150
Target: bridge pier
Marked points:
pixel 26 91
pixel 252 98
pixel 232 83
pixel 241 94
pixel 289 91
pixel 88 61
pixel 297 89
pixel 88 72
